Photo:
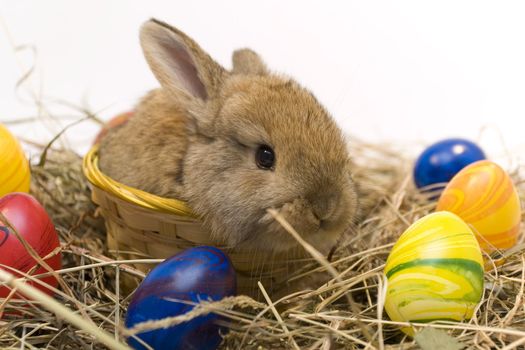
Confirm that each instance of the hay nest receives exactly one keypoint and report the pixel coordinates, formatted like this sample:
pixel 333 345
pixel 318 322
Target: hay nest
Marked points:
pixel 320 318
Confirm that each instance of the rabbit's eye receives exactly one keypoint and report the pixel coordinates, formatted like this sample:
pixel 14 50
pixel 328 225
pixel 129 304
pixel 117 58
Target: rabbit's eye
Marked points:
pixel 265 157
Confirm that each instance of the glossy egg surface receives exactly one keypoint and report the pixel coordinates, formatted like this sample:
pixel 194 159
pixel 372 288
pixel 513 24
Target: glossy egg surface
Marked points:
pixel 201 273
pixel 441 161
pixel 484 196
pixel 434 271
pixel 31 221
pixel 14 167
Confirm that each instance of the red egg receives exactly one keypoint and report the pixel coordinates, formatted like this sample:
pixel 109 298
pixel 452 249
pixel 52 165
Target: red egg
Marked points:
pixel 31 221
pixel 116 121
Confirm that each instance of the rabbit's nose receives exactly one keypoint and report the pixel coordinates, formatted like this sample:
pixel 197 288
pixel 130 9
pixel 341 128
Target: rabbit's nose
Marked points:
pixel 324 206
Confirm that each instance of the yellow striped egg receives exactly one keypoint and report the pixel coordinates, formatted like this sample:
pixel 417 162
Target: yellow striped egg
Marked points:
pixel 434 271
pixel 483 195
pixel 14 167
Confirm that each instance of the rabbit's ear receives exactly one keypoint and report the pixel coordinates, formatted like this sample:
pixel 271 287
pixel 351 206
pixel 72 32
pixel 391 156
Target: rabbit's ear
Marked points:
pixel 179 64
pixel 246 61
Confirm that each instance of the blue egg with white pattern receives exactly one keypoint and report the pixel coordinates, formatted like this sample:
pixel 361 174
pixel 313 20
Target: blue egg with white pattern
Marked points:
pixel 441 161
pixel 193 275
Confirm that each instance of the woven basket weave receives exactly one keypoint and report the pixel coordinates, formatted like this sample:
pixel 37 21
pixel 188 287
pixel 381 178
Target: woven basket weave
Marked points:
pixel 142 225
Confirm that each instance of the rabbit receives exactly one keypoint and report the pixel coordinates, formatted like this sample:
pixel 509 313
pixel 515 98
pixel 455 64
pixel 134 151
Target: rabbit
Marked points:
pixel 232 144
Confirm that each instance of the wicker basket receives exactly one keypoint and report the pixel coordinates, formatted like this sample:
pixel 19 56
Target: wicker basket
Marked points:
pixel 142 225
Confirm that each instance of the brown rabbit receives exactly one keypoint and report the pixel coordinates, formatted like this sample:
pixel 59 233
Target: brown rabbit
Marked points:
pixel 233 144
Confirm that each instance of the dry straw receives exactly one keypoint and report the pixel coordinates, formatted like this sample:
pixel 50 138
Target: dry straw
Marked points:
pixel 320 317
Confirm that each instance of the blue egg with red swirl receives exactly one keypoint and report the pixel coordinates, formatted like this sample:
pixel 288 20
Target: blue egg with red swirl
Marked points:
pixel 193 275
pixel 441 161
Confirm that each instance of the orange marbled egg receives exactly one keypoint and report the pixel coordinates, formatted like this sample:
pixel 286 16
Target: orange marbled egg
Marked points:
pixel 483 195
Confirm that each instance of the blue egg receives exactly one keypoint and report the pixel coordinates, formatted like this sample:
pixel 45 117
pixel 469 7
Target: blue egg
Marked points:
pixel 444 159
pixel 202 273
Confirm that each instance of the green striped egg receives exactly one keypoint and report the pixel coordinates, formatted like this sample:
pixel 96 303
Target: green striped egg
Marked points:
pixel 434 271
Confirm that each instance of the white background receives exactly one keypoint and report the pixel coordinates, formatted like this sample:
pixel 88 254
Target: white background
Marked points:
pixel 409 72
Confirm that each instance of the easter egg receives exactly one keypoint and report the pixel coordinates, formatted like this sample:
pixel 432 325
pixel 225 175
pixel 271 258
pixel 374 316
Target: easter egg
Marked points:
pixel 444 159
pixel 434 271
pixel 116 121
pixel 484 196
pixel 14 167
pixel 201 273
pixel 31 221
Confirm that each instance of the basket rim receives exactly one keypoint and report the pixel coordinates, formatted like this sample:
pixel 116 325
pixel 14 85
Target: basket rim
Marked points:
pixel 130 194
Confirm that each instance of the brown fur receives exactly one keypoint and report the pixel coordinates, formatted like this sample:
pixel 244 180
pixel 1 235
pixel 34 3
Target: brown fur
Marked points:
pixel 195 139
